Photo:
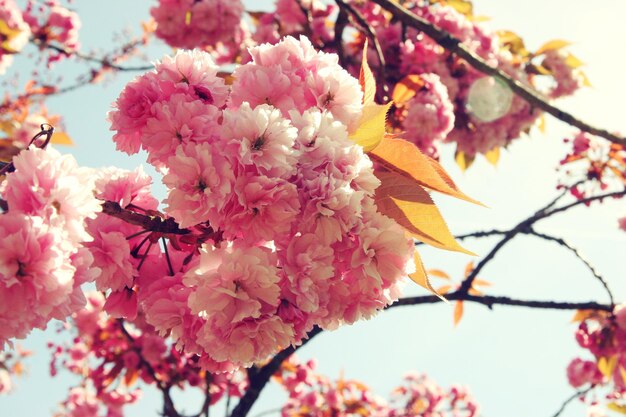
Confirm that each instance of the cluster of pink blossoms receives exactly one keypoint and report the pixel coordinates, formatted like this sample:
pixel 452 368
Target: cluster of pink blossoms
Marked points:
pixel 313 395
pixel 14 32
pixel 266 172
pixel 110 357
pixel 604 336
pixel 597 165
pixel 42 261
pixel 51 23
pixel 213 24
pixel 457 103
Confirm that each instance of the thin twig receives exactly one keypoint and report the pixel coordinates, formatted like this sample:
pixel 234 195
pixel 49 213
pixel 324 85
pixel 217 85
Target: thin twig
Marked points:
pixel 104 62
pixel 475 235
pixel 168 404
pixel 577 394
pixel 455 46
pixel 577 254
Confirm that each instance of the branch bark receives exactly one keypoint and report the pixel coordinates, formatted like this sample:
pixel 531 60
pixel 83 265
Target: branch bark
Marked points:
pixel 259 377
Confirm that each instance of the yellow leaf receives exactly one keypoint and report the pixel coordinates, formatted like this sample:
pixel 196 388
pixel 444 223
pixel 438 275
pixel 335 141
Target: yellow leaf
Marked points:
pixel 458 312
pixel 411 207
pixel 542 123
pixel 617 407
pixel 462 6
pixel 188 18
pixel 475 292
pixel 607 366
pixel 553 45
pixel 404 158
pixel 406 89
pixel 371 129
pixel 444 289
pixel 8 34
pixel 479 19
pixel 438 273
pixel 468 269
pixel 513 42
pixel 421 278
pixel 582 315
pixel 493 156
pixel 573 62
pixel 463 160
pixel 227 77
pixel 586 81
pixel 366 79
pixel 61 138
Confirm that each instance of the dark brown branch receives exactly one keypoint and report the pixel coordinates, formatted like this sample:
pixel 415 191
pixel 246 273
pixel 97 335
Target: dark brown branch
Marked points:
pixel 526 226
pixel 455 46
pixel 578 255
pixel 204 411
pixel 362 21
pixel 490 301
pixel 260 376
pixel 308 17
pixel 337 44
pixel 152 223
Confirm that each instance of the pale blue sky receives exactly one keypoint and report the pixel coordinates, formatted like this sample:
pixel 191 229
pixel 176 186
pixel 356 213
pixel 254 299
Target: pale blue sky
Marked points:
pixel 512 359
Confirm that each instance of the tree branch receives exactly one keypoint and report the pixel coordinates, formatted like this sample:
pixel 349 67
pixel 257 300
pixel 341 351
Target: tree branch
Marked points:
pixel 362 21
pixel 577 394
pixel 491 300
pixel 578 255
pixel 152 223
pixel 104 62
pixel 526 226
pixel 259 377
pixel 455 46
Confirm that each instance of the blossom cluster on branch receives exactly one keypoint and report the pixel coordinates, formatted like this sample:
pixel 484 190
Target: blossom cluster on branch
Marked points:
pixel 268 166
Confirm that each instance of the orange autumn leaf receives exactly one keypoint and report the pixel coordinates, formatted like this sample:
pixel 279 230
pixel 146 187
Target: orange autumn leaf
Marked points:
pixel 411 207
pixel 420 277
pixel 407 88
pixel 366 79
pixel 404 158
pixel 61 138
pixel 438 273
pixel 444 289
pixel 458 312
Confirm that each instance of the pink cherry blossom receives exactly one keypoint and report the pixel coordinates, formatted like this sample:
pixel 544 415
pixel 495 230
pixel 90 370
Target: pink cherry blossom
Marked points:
pixel 200 183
